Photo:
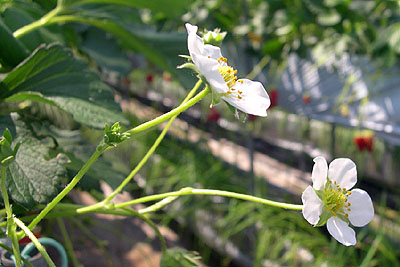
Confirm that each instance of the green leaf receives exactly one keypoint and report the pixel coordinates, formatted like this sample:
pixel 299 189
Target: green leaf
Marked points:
pixel 273 47
pixel 7 123
pixel 169 8
pixel 18 14
pixel 216 97
pixel 79 150
pixel 33 177
pixel 15 18
pixel 169 45
pixel 105 52
pixel 33 96
pixel 52 75
pixel 12 51
pixel 161 48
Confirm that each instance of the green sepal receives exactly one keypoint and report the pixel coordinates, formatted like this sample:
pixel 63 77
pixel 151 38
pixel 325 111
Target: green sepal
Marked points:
pixel 320 194
pixel 215 98
pixel 341 216
pixel 188 65
pixel 323 218
pixel 189 58
pixel 234 110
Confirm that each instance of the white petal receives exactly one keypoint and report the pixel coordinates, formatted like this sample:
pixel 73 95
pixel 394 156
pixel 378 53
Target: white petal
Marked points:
pixel 195 43
pixel 255 99
pixel 362 210
pixel 344 172
pixel 312 205
pixel 319 173
pixel 213 52
pixel 209 68
pixel 341 231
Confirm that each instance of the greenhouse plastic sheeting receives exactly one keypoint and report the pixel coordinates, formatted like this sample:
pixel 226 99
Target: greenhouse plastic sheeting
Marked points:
pixel 350 91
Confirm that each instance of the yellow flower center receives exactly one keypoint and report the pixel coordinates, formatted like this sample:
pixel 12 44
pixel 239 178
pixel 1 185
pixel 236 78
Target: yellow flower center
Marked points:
pixel 336 199
pixel 228 73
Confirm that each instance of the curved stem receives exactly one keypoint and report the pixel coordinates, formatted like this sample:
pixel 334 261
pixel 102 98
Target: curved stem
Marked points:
pixel 193 191
pixel 45 20
pixel 151 224
pixel 36 242
pixel 152 149
pixel 171 113
pixel 157 206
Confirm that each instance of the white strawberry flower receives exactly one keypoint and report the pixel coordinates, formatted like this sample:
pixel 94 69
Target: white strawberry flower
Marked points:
pixel 245 95
pixel 330 200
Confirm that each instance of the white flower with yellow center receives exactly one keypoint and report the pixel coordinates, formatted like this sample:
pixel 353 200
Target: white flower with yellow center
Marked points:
pixel 330 200
pixel 245 95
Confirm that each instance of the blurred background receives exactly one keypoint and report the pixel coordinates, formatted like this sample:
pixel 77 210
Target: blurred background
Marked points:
pixel 331 69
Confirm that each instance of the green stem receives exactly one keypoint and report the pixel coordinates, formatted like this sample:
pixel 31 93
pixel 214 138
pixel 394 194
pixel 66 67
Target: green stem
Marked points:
pixel 12 233
pixel 45 20
pixel 258 68
pixel 151 150
pixel 66 190
pixel 70 209
pixel 36 242
pixel 171 113
pixel 151 224
pixel 59 211
pixel 11 229
pixel 157 206
pixel 68 243
pixel 193 191
pixel 5 194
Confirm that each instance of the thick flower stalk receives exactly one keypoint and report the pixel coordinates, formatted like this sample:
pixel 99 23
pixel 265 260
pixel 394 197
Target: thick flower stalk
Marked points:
pixel 245 95
pixel 331 201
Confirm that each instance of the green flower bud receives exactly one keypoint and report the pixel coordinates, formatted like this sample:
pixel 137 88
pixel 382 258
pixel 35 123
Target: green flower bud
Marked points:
pixel 113 136
pixel 214 37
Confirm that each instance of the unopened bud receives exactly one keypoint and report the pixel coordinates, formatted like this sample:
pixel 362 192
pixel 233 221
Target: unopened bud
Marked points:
pixel 214 37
